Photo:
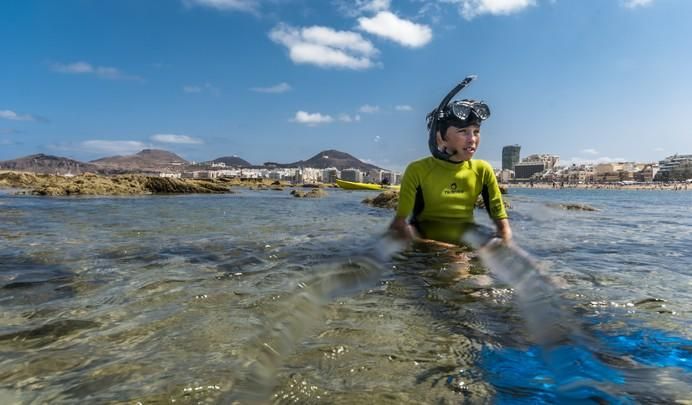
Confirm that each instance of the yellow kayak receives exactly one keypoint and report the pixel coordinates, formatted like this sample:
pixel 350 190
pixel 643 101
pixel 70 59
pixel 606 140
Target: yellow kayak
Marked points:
pixel 351 185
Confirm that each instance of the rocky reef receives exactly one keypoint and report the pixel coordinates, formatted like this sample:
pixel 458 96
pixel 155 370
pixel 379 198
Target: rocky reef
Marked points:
pixel 314 193
pixel 573 207
pixel 91 184
pixel 388 199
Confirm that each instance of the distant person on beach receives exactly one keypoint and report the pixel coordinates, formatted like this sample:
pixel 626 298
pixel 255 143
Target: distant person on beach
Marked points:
pixel 439 192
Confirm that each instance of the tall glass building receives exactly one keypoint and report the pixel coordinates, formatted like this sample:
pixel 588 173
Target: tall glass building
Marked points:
pixel 510 156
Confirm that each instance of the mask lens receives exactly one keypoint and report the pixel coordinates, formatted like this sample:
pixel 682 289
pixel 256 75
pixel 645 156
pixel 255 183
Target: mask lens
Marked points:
pixel 481 110
pixel 461 111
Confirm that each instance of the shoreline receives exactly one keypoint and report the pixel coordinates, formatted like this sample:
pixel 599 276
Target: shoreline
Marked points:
pixel 679 186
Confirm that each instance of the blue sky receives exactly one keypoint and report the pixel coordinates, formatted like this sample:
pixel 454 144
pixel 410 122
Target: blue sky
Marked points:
pixel 281 80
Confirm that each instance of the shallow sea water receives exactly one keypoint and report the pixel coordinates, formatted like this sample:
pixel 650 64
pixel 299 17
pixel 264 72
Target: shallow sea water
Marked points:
pixel 260 297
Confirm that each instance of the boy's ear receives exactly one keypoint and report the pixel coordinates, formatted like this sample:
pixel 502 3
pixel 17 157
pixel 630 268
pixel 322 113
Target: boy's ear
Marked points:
pixel 440 142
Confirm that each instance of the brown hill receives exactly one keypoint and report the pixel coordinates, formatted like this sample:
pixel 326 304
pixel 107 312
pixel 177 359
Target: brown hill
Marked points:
pixel 330 158
pixel 49 164
pixel 146 160
pixel 232 161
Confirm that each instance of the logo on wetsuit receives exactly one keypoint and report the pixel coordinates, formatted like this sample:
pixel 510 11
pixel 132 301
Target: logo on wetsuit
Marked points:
pixel 452 189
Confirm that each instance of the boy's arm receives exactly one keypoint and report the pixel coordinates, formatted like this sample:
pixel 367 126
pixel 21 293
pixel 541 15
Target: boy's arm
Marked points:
pixel 503 229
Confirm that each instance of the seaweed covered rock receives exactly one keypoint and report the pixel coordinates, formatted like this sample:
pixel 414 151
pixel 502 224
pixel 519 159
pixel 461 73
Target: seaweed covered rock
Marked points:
pixel 314 193
pixel 387 199
pixel 177 186
pixel 91 184
pixel 573 207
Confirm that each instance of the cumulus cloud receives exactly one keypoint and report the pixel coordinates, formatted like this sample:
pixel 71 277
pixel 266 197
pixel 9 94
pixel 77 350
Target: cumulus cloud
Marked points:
pixel 473 8
pixel 113 147
pixel 354 8
pixel 403 107
pixel 11 115
pixel 636 3
pixel 173 138
pixel 311 119
pixel 369 109
pixel 325 47
pixel 85 68
pixel 251 6
pixel 279 88
pixel 387 25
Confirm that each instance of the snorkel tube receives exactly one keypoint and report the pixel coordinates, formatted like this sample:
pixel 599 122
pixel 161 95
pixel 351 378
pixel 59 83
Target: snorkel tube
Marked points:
pixel 437 113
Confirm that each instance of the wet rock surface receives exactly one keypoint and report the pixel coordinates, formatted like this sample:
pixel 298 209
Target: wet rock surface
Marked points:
pixel 314 193
pixel 573 207
pixel 91 184
pixel 388 199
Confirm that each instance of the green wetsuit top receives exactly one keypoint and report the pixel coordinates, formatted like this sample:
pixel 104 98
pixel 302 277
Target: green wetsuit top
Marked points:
pixel 440 196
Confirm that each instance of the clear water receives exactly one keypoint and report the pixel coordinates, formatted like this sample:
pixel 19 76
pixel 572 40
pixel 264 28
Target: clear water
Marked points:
pixel 260 297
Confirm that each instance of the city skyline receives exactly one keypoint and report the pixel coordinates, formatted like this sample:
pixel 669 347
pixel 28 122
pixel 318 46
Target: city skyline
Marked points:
pixel 282 80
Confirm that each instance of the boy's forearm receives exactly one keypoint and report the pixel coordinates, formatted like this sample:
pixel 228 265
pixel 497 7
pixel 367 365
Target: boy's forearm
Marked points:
pixel 503 229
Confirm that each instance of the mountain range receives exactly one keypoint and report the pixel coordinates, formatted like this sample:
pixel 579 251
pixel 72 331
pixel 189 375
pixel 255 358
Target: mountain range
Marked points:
pixel 155 160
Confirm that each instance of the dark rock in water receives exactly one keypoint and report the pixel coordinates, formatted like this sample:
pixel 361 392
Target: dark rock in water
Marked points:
pixel 176 186
pixel 314 193
pixel 573 207
pixel 388 199
pixel 51 331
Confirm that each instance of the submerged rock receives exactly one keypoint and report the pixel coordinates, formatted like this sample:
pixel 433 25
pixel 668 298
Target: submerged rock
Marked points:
pixel 314 193
pixel 574 207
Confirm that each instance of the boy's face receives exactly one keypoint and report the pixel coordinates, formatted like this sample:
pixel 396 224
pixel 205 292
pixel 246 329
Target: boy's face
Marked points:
pixel 461 143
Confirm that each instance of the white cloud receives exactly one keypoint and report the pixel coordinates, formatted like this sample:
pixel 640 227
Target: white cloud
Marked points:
pixel 206 87
pixel 376 139
pixel 590 151
pixel 387 25
pixel 369 109
pixel 84 68
pixel 354 8
pixel 311 119
pixel 325 47
pixel 192 89
pixel 374 5
pixel 250 6
pixel 11 115
pixel 636 3
pixel 172 138
pixel 279 88
pixel 113 147
pixel 473 8
pixel 345 118
pixel 403 107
